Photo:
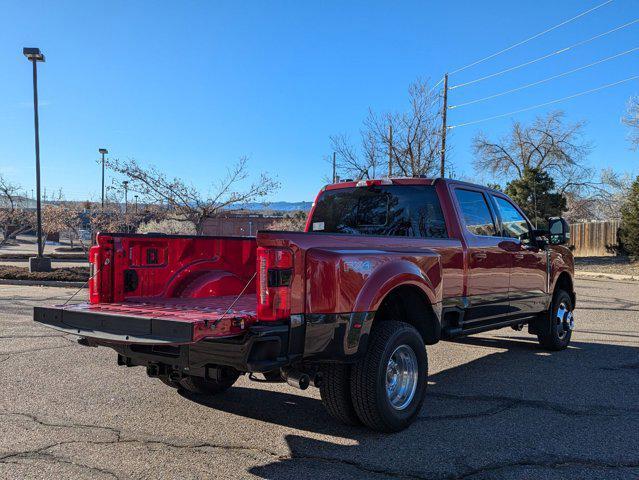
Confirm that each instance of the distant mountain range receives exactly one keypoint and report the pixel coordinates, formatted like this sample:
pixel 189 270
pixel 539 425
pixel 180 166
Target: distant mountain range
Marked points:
pixel 276 206
pixel 24 202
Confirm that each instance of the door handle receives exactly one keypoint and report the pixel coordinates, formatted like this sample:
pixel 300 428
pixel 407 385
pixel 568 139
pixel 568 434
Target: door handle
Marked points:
pixel 519 256
pixel 479 256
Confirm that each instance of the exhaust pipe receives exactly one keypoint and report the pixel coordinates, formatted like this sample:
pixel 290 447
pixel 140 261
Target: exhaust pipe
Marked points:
pixel 297 379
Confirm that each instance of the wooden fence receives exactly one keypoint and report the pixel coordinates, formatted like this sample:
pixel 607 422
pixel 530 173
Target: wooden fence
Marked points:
pixel 593 239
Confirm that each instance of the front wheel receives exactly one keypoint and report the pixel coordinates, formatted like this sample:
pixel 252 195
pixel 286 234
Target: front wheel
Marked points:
pixel 556 335
pixel 388 384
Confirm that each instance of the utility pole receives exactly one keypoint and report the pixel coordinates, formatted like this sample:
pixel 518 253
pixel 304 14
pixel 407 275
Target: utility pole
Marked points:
pixel 535 198
pixel 442 162
pixel 390 151
pixel 334 167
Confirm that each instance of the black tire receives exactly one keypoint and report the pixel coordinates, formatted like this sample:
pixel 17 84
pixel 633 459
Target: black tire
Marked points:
pixel 335 391
pixel 205 386
pixel 554 336
pixel 368 378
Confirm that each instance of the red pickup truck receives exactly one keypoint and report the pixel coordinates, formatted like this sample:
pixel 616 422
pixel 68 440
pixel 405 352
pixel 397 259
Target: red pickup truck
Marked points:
pixel 384 268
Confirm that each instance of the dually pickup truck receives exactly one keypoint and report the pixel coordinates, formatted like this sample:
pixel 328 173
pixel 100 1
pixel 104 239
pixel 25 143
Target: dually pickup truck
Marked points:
pixel 384 268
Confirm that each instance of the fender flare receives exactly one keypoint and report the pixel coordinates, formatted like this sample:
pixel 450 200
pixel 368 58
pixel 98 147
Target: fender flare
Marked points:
pixel 394 274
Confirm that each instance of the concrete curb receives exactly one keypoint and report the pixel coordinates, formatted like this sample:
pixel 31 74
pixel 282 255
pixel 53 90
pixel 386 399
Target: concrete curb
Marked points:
pixel 602 276
pixel 43 283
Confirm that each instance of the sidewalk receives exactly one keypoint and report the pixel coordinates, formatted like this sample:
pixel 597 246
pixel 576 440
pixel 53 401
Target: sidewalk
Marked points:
pixel 601 275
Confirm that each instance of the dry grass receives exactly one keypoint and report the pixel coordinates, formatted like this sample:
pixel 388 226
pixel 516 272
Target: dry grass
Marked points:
pixel 621 265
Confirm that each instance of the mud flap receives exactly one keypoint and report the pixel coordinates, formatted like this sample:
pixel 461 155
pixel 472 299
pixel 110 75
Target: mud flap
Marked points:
pixel 540 325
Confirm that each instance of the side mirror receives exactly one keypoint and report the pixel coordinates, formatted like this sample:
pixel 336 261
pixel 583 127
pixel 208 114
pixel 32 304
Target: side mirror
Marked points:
pixel 558 231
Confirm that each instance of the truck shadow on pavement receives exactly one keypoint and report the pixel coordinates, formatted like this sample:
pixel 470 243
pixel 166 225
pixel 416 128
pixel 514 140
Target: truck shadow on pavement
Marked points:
pixel 520 411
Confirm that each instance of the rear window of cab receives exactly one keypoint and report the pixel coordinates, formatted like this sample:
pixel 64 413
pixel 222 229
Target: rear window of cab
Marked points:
pixel 389 210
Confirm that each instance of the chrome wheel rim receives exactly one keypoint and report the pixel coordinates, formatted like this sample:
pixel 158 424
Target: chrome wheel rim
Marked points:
pixel 564 321
pixel 402 373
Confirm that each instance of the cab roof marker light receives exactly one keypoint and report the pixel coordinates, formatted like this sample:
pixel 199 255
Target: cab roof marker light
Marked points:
pixel 368 183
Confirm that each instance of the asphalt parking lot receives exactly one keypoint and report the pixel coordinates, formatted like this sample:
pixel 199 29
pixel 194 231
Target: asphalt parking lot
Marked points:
pixel 497 407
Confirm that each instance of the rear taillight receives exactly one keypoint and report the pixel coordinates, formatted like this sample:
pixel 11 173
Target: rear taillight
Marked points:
pixel 94 277
pixel 274 276
pixel 100 290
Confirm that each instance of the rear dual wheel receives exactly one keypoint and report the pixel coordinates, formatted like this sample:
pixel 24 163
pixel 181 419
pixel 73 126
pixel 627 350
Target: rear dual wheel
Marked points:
pixel 204 386
pixel 386 388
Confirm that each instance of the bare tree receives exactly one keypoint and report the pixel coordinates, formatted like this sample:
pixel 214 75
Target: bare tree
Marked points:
pixel 548 144
pixel 350 161
pixel 600 200
pixel 409 140
pixel 9 192
pixel 13 220
pixel 631 119
pixel 184 202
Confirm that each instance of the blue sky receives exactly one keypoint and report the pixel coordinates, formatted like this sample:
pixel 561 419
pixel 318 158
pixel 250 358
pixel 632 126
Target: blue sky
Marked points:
pixel 191 86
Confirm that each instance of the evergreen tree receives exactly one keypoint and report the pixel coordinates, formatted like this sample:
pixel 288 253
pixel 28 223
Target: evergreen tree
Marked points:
pixel 629 231
pixel 534 193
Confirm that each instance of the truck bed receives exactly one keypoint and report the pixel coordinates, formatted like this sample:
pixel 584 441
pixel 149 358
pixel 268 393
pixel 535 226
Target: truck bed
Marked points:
pixel 154 320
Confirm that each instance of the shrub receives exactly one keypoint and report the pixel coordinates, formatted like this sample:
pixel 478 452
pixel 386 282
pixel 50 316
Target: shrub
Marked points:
pixel 629 231
pixel 170 227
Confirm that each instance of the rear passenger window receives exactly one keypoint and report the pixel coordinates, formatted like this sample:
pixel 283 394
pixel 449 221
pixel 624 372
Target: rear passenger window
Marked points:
pixel 515 225
pixel 476 213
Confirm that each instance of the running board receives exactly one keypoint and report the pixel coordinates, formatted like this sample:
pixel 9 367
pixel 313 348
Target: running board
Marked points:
pixel 452 332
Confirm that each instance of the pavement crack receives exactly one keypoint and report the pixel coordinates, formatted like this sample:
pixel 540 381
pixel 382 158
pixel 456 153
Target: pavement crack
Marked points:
pixel 33 350
pixel 35 419
pixel 42 453
pixel 361 467
pixel 116 440
pixel 502 407
pixel 32 336
pixel 627 366
pixel 553 463
pixel 507 403
pixel 199 445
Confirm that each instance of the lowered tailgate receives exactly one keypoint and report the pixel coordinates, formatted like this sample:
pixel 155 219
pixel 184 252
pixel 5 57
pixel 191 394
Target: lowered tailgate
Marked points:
pixel 154 321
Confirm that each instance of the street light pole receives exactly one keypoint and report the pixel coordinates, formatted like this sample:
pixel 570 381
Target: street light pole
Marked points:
pixel 136 203
pixel 103 151
pixel 126 194
pixel 38 263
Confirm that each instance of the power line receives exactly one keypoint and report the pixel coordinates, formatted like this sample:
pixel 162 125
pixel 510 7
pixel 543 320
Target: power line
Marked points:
pixel 547 79
pixel 543 57
pixel 532 38
pixel 436 85
pixel 592 90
